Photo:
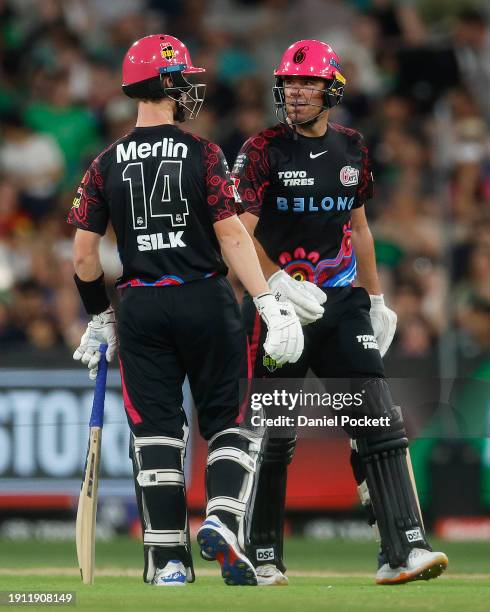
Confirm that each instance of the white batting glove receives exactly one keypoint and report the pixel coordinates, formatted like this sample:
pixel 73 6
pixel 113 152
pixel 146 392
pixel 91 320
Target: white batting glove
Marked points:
pixel 284 342
pixel 383 321
pixel 306 297
pixel 100 330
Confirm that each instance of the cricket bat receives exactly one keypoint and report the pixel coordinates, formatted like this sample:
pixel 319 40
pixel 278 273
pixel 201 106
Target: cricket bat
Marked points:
pixel 87 502
pixel 414 485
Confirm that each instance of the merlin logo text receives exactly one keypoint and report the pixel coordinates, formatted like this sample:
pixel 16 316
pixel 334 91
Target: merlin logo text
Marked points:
pixel 163 148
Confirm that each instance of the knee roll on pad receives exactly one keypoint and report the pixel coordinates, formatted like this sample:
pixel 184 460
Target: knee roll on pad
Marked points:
pixel 389 487
pixel 158 463
pixel 279 450
pixel 230 474
pixel 377 403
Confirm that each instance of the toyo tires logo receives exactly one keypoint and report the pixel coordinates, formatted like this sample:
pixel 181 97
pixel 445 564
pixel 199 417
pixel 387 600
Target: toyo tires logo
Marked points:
pixel 300 55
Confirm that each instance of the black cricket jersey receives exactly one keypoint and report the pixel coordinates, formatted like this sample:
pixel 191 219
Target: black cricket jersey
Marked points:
pixel 303 190
pixel 162 189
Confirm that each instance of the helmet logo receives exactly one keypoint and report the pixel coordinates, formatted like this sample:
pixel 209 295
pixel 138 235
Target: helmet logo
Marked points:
pixel 300 55
pixel 166 51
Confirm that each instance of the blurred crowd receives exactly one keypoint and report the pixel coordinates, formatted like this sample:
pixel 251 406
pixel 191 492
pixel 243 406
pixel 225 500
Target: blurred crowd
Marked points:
pixel 418 85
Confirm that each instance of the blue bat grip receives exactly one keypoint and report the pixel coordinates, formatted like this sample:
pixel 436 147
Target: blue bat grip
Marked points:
pixel 97 416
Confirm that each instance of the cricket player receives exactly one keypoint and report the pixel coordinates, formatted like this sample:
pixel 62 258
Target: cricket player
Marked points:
pixel 169 198
pixel 303 185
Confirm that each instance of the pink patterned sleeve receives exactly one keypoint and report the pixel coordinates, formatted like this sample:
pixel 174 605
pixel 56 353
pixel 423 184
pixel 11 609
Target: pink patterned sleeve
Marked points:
pixel 250 174
pixel 90 210
pixel 219 187
pixel 365 189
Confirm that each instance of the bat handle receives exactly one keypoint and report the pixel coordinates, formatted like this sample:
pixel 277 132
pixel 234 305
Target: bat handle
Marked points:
pixel 97 415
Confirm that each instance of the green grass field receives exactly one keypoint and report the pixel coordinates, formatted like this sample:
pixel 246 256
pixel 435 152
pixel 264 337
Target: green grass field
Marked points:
pixel 324 575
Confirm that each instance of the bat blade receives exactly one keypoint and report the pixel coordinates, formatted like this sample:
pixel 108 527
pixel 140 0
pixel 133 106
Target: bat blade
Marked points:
pixel 87 509
pixel 87 501
pixel 414 485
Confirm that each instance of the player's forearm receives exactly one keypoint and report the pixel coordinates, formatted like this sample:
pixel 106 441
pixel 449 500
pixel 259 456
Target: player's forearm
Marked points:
pixel 367 274
pixel 239 252
pixel 88 267
pixel 86 260
pixel 268 266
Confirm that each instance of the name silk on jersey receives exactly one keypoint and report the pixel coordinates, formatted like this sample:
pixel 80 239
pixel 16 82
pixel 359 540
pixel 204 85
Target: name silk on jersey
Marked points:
pixel 162 189
pixel 303 190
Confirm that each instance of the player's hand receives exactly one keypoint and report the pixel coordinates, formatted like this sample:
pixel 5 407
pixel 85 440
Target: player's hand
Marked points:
pixel 284 342
pixel 100 330
pixel 306 297
pixel 383 321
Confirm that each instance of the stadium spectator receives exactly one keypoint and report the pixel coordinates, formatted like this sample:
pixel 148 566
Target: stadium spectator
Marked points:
pixel 34 164
pixel 72 126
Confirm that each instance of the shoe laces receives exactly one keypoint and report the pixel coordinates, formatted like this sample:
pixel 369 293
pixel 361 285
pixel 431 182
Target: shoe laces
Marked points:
pixel 416 552
pixel 170 569
pixel 267 570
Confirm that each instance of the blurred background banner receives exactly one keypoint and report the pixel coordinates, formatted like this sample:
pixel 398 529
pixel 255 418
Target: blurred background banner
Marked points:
pixel 418 83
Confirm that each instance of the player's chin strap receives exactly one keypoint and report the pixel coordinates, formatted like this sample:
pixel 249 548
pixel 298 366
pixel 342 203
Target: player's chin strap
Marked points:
pixel 158 463
pixel 230 477
pixel 292 124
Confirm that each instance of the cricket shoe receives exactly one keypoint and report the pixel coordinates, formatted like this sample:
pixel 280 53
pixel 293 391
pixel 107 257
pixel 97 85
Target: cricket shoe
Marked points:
pixel 270 575
pixel 421 564
pixel 218 542
pixel 173 574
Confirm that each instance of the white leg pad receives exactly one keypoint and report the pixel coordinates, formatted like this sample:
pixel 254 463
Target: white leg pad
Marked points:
pixel 164 537
pixel 161 477
pixel 157 478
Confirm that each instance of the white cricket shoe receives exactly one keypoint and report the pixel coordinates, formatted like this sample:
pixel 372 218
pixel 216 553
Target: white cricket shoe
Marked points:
pixel 270 575
pixel 218 542
pixel 421 564
pixel 173 574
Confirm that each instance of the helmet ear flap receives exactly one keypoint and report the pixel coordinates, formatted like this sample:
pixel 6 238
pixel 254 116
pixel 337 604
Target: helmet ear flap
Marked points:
pixel 329 100
pixel 278 92
pixel 334 92
pixel 150 89
pixel 279 100
pixel 154 89
pixel 178 80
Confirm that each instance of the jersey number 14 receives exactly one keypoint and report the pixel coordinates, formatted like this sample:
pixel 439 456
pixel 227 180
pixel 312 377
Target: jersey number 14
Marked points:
pixel 165 199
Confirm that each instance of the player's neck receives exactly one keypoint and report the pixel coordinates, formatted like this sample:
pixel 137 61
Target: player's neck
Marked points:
pixel 316 129
pixel 154 113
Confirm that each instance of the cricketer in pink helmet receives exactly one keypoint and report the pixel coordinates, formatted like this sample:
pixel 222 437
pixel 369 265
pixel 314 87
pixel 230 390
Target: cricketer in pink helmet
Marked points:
pixel 282 176
pixel 154 68
pixel 309 75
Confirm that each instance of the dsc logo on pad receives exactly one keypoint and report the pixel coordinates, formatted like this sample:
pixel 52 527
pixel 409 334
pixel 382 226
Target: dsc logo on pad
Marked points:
pixel 265 554
pixel 414 535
